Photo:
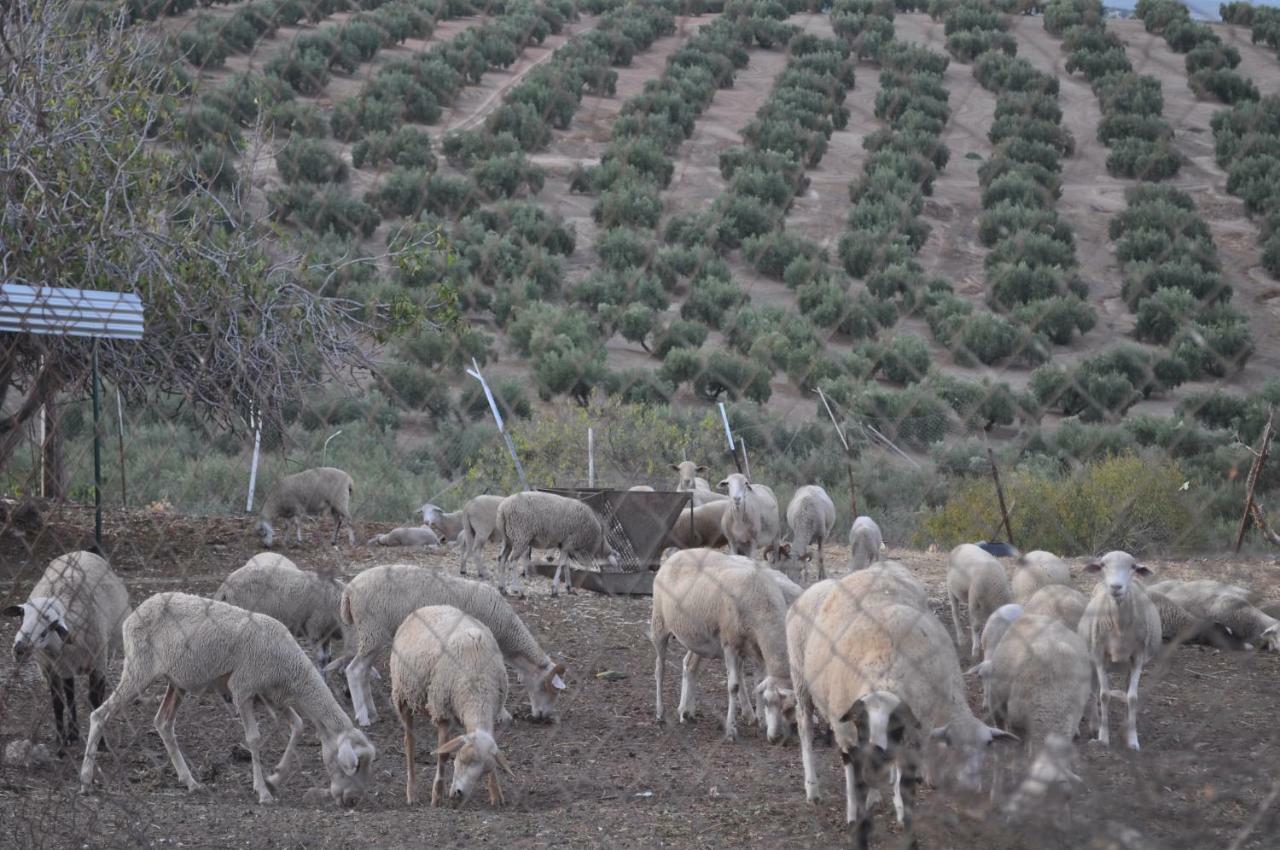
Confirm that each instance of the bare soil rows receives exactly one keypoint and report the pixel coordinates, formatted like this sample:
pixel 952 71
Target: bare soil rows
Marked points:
pixel 607 775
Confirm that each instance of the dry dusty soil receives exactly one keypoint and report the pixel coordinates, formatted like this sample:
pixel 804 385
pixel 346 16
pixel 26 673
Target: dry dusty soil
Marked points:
pixel 607 775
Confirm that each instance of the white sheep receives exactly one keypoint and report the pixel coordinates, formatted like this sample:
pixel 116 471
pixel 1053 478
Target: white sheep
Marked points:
pixel 405 536
pixel 1056 600
pixel 810 516
pixel 448 666
pixel 690 479
pixel 447 526
pixel 1225 604
pixel 306 602
pixel 1120 626
pixel 310 492
pixel 722 606
pixel 1178 625
pixel 1036 570
pixel 701 527
pixel 71 626
pixel 472 527
pixel 996 627
pixel 197 645
pixel 378 599
pixel 752 521
pixel 977 579
pixel 866 543
pixel 548 521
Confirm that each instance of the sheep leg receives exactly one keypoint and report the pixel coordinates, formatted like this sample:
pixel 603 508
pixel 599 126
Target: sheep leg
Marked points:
pixel 58 694
pixel 804 720
pixel 164 722
pixel 555 579
pixel 907 781
pixel 1131 698
pixel 1104 733
pixel 688 708
pixel 410 777
pixel 98 693
pixel 437 784
pixel 975 629
pixel 253 740
pixel 297 525
pixel 660 642
pixel 495 791
pixel 822 564
pixel 358 684
pixel 853 785
pixel 289 761
pixel 127 689
pixel 732 666
pixel 955 616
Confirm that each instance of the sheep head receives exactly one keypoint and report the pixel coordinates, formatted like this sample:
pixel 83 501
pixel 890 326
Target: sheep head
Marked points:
pixel 476 756
pixel 688 471
pixel 1117 569
pixel 737 486
pixel 43 629
pixel 779 700
pixel 543 688
pixel 969 738
pixel 349 759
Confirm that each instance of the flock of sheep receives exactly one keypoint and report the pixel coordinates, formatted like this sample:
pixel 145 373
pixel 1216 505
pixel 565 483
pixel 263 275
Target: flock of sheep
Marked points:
pixel 864 655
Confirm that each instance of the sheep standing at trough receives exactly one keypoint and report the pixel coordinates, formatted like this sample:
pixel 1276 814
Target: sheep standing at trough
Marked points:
pixel 1225 604
pixel 377 601
pixel 473 526
pixel 306 602
pixel 977 579
pixel 71 627
pixel 866 543
pixel 1036 570
pixel 1120 626
pixel 197 645
pixel 448 666
pixel 810 516
pixel 307 493
pixel 548 521
pixel 722 606
pixel 752 520
pixel 1056 600
pixel 703 527
pixel 405 536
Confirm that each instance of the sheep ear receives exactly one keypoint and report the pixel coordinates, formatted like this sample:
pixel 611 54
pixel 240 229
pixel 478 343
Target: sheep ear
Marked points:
pixel 1141 570
pixel 704 470
pixel 1093 567
pixel 941 734
pixel 452 746
pixel 61 628
pixel 14 611
pixel 998 734
pixel 503 763
pixel 347 758
pixel 556 673
pixel 723 485
pixel 676 467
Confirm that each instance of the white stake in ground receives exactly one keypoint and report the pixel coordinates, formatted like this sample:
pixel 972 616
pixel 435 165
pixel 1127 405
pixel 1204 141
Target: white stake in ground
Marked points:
pixel 497 417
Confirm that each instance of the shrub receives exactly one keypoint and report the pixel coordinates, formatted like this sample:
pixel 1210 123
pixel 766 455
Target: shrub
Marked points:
pixel 623 248
pixel 640 387
pixel 679 333
pixel 987 337
pixel 310 161
pixel 1143 159
pixel 1058 318
pixel 417 389
pixel 905 360
pixel 680 366
pixel 1224 84
pixel 773 252
pixel 402 192
pixel 711 299
pixel 1163 313
pixel 630 204
pixel 730 375
pixel 635 323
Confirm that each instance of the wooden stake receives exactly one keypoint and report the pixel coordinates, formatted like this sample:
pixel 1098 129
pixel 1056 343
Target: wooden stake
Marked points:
pixel 1004 512
pixel 1259 458
pixel 848 453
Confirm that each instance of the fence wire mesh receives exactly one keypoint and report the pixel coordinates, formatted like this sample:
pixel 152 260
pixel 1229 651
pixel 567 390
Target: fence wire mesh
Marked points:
pixel 978 270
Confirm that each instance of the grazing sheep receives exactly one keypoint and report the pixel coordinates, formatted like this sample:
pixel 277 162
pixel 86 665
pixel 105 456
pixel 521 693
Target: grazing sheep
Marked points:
pixel 1178 625
pixel 71 626
pixel 722 606
pixel 977 579
pixel 1226 604
pixel 197 645
pixel 406 536
pixel 879 671
pixel 1057 600
pixel 306 602
pixel 752 520
pixel 1120 626
pixel 704 529
pixel 690 479
pixel 866 543
pixel 996 627
pixel 810 516
pixel 377 601
pixel 1036 570
pixel 310 492
pixel 448 666
pixel 548 521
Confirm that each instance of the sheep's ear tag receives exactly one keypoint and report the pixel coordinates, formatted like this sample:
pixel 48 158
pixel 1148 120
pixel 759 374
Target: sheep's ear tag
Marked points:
pixel 347 759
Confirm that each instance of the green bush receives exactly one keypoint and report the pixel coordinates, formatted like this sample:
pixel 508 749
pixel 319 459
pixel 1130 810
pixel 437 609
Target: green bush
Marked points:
pixel 711 299
pixel 680 366
pixel 509 394
pixel 732 376
pixel 416 388
pixel 310 161
pixel 679 333
pixel 906 359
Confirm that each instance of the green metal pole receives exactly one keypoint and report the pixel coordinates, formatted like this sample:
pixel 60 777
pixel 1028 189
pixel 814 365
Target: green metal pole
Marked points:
pixel 97 453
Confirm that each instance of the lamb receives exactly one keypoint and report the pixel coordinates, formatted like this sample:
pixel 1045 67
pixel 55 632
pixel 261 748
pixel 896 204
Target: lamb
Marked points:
pixel 306 602
pixel 448 666
pixel 71 626
pixel 1057 600
pixel 198 644
pixel 548 521
pixel 810 516
pixel 977 579
pixel 1229 605
pixel 879 670
pixel 1036 570
pixel 722 606
pixel 866 543
pixel 310 492
pixel 707 527
pixel 377 601
pixel 1178 625
pixel 1120 626
pixel 406 536
pixel 476 524
pixel 752 519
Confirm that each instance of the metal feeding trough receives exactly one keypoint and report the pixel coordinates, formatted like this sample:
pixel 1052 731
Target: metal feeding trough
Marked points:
pixel 636 524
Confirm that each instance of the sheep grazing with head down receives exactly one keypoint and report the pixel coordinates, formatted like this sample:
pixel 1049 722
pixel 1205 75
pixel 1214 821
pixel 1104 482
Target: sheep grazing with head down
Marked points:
pixel 448 666
pixel 1059 601
pixel 1036 570
pixel 1121 627
pixel 752 521
pixel 866 543
pixel 810 516
pixel 71 627
pixel 198 645
pixel 321 490
pixel 548 521
pixel 977 579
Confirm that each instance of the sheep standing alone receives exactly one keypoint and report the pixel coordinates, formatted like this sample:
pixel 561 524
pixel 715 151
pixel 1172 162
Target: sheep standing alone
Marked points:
pixel 306 602
pixel 866 543
pixel 1056 600
pixel 810 516
pixel 752 520
pixel 977 579
pixel 310 492
pixel 197 645
pixel 1036 570
pixel 448 666
pixel 71 626
pixel 1225 604
pixel 548 521
pixel 722 606
pixel 405 536
pixel 377 601
pixel 1120 626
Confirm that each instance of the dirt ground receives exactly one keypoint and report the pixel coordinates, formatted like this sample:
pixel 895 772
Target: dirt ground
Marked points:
pixel 607 775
